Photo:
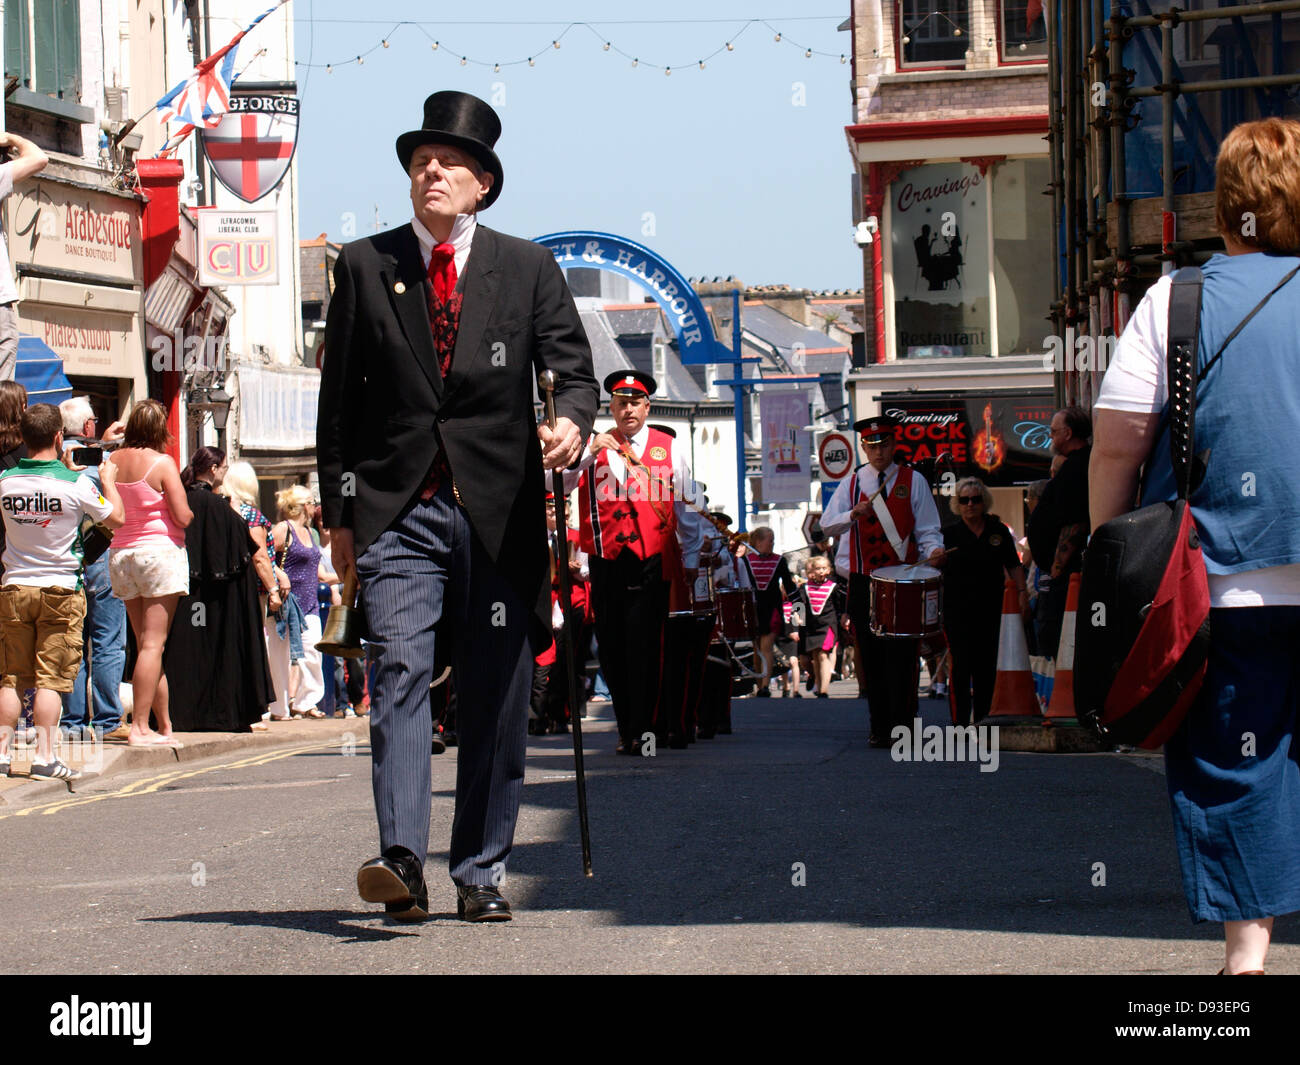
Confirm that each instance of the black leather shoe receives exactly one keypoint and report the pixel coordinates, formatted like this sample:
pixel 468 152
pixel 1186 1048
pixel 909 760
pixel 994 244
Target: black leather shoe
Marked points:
pixel 396 880
pixel 875 741
pixel 478 902
pixel 439 745
pixel 628 747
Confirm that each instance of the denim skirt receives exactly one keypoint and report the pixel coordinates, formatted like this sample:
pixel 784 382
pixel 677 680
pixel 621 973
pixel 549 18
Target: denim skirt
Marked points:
pixel 1233 774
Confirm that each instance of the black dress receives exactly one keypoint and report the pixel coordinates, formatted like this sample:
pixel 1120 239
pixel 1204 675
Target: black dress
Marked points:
pixel 218 675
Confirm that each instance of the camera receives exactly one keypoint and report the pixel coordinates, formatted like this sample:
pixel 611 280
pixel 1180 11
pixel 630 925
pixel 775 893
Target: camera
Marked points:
pixel 88 456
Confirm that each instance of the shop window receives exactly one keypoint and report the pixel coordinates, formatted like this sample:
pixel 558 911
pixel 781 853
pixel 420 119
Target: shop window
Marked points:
pixel 933 33
pixel 1022 253
pixel 43 46
pixel 939 245
pixel 1024 30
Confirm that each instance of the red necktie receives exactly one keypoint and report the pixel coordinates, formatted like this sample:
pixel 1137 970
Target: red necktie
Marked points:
pixel 442 271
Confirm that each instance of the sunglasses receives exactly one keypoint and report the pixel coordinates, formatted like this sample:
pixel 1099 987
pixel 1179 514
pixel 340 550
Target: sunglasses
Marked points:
pixel 968 501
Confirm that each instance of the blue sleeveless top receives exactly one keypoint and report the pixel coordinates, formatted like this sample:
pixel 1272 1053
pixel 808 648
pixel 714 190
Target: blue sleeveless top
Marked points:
pixel 1247 509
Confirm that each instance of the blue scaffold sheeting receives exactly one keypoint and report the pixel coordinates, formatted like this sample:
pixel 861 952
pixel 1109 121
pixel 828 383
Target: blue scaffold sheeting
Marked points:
pixel 40 371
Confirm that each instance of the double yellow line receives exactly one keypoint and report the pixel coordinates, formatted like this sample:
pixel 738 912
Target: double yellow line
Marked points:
pixel 150 785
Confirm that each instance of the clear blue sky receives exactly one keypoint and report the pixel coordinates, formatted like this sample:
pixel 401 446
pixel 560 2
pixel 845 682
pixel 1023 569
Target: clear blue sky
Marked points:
pixel 743 165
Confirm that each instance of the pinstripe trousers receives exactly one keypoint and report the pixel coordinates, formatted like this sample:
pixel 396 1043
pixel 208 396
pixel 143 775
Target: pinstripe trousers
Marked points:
pixel 428 568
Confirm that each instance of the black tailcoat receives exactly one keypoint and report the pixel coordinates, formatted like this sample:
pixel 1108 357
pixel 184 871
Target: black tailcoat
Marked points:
pixel 385 408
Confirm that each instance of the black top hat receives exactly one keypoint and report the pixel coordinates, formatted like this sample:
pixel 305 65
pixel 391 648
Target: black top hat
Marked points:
pixel 878 429
pixel 718 515
pixel 463 121
pixel 630 383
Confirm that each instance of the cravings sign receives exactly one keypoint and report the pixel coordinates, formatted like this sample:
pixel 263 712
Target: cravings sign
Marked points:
pixel 1002 438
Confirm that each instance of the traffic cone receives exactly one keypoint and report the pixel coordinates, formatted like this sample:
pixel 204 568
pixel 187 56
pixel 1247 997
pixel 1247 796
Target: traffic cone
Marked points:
pixel 1013 691
pixel 1062 704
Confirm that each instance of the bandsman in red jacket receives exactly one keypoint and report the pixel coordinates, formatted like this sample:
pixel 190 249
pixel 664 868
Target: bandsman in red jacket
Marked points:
pixel 640 537
pixel 890 518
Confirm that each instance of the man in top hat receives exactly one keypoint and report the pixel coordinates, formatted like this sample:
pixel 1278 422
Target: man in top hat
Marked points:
pixel 431 474
pixel 890 518
pixel 640 536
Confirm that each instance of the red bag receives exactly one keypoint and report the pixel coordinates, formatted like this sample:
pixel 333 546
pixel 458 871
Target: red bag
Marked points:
pixel 1142 636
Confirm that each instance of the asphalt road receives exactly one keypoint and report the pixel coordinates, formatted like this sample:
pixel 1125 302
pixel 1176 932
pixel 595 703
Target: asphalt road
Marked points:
pixel 246 864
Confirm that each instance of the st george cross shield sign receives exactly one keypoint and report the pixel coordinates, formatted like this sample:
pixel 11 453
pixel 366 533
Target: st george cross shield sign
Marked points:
pixel 251 147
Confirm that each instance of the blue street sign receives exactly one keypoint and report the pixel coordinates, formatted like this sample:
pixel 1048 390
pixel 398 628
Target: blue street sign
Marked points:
pixel 828 490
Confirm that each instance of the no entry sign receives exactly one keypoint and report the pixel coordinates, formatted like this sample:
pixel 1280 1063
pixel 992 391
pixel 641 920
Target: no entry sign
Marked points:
pixel 835 455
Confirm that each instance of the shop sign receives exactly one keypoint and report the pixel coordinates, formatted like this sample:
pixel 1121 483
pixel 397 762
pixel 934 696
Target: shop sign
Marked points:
pixel 1001 439
pixel 90 343
pixel 54 226
pixel 237 248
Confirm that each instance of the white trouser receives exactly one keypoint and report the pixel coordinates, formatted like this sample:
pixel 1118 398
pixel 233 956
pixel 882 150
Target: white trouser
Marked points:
pixel 311 683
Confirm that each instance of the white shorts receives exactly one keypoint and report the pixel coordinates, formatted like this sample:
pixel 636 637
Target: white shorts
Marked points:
pixel 149 571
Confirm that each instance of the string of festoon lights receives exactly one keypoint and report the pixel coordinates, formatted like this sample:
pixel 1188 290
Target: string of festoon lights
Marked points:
pixel 607 44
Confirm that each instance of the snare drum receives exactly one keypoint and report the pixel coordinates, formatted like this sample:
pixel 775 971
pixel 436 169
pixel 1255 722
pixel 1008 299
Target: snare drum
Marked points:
pixel 738 612
pixel 906 601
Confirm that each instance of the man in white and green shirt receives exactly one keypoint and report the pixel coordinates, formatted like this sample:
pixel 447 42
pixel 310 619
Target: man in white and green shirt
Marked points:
pixel 41 602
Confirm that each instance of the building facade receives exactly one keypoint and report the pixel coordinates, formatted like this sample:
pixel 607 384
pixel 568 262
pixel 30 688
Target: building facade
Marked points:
pixel 949 120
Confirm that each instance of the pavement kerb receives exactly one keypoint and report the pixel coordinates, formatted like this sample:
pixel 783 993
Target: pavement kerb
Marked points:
pixel 119 758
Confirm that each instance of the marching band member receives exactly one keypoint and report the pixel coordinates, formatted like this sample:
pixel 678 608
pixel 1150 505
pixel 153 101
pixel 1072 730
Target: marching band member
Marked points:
pixel 890 516
pixel 772 581
pixel 823 603
pixel 640 535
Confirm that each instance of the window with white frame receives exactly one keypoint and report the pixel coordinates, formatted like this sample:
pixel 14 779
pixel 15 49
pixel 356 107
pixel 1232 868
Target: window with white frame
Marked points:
pixel 43 46
pixel 1024 30
pixel 933 33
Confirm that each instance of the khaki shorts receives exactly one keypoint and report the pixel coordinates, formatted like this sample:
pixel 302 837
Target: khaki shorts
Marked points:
pixel 42 636
pixel 149 571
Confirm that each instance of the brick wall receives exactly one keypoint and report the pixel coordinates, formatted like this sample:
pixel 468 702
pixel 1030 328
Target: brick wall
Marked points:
pixel 886 94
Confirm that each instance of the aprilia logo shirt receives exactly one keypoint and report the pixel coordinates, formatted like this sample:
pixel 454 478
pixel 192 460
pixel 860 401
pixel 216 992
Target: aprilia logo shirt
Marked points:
pixel 43 503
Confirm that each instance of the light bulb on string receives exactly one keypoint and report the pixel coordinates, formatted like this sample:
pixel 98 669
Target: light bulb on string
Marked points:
pixel 531 63
pixel 496 68
pixel 667 71
pixel 463 60
pixel 360 61
pixel 1023 46
pixel 957 32
pixel 777 38
pixel 842 58
pixel 556 43
pixel 385 42
pixel 607 46
pixel 808 54
pixel 434 46
pixel 701 64
pixel 329 69
pixel 730 47
pixel 635 61
pixel 907 39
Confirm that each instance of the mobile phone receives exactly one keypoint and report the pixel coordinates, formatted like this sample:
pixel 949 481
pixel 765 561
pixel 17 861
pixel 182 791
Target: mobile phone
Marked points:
pixel 88 456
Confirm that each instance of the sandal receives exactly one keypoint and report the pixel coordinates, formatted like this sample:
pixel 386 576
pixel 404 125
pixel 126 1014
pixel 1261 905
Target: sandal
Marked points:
pixel 309 712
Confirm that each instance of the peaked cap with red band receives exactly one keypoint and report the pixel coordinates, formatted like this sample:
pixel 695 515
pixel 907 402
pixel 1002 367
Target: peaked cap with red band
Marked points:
pixel 632 383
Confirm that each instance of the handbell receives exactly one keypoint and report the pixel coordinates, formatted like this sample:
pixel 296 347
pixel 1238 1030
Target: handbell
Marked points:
pixel 342 635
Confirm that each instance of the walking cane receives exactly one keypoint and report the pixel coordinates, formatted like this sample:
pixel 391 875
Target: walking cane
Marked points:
pixel 547 382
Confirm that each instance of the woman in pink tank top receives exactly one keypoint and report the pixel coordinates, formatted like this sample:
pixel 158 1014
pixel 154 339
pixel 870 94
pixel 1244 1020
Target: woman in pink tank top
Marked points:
pixel 148 565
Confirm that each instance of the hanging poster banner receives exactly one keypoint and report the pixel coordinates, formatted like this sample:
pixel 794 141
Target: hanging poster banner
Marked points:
pixel 786 446
pixel 939 240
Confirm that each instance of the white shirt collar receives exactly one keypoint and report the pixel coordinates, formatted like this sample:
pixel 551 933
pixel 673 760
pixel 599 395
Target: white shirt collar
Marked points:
pixel 462 236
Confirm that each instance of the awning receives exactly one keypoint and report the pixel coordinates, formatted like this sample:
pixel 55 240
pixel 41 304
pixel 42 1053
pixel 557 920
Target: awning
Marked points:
pixel 40 371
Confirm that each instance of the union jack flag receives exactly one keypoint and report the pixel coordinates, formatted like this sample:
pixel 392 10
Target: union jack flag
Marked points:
pixel 203 97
